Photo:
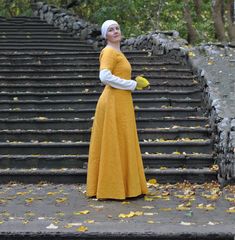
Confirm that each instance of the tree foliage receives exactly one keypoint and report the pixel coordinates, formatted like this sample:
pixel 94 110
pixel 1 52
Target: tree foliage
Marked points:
pixel 194 19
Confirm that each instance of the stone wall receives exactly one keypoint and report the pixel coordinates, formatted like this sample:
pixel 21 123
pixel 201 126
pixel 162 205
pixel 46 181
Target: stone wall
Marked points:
pixel 213 64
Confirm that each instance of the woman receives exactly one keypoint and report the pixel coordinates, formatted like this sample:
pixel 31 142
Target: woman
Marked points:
pixel 115 168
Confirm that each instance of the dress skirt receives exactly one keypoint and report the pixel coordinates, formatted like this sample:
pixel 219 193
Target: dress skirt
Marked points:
pixel 115 167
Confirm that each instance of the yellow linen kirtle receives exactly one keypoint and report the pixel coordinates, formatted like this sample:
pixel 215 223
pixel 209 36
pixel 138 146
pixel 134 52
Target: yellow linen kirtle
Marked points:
pixel 115 168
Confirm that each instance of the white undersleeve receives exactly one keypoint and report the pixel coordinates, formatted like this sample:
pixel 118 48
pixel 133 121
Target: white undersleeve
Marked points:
pixel 107 78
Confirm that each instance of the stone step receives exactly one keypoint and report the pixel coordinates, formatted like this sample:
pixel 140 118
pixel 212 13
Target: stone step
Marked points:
pixel 79 134
pixel 56 40
pixel 79 175
pixel 86 60
pixel 15 148
pixel 58 71
pixel 88 113
pixel 43 48
pixel 83 89
pixel 29 86
pixel 91 78
pixel 22 18
pixel 82 67
pixel 91 103
pixel 37 34
pixel 33 63
pixel 42 123
pixel 77 46
pixel 62 54
pixel 80 161
pixel 18 28
pixel 193 94
pixel 35 37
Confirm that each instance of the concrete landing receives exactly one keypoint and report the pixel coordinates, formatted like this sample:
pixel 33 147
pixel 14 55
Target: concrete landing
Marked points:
pixel 179 211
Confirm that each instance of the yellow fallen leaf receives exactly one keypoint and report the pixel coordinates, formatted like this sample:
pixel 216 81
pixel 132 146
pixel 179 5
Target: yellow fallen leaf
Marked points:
pixel 61 214
pixel 207 207
pixel 130 214
pixel 29 214
pixel 89 221
pixel 138 213
pixel 150 222
pixel 165 209
pixel 148 207
pixel 152 181
pixel 210 196
pixel 52 193
pixel 230 199
pixel 61 200
pixel 148 199
pixel 29 200
pixel 82 229
pixel 182 207
pixel 25 221
pixel 177 153
pixel 125 203
pixel 231 210
pixel 22 193
pixel 68 225
pixel 81 212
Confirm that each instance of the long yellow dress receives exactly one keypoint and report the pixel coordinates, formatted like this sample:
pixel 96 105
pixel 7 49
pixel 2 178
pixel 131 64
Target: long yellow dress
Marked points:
pixel 115 168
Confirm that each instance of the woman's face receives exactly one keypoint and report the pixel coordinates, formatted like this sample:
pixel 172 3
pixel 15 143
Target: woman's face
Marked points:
pixel 113 33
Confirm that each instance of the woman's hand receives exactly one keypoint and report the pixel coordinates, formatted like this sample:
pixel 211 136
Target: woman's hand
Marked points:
pixel 141 83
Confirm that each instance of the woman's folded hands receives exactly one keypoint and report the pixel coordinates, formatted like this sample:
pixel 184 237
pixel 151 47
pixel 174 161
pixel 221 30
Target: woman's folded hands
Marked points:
pixel 141 83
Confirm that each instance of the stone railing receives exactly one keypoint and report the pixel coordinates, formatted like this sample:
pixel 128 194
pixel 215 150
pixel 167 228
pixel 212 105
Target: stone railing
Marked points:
pixel 67 22
pixel 206 61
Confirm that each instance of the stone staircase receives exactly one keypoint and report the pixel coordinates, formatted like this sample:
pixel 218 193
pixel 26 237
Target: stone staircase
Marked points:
pixel 49 87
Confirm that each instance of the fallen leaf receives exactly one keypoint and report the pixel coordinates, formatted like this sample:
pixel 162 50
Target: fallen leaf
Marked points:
pixel 61 200
pixel 82 229
pixel 81 212
pixel 231 210
pixel 148 199
pixel 152 181
pixel 89 221
pixel 165 209
pixel 148 207
pixel 212 223
pixel 130 214
pixel 52 226
pixel 207 207
pixel 70 225
pixel 182 207
pixel 186 223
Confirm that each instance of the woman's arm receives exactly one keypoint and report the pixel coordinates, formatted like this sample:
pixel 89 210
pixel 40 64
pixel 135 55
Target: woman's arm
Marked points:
pixel 107 78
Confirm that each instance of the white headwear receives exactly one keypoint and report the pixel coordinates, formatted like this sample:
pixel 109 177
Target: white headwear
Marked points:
pixel 105 27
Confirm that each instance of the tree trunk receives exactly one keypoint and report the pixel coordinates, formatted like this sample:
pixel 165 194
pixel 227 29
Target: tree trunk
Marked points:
pixel 198 5
pixel 159 10
pixel 192 34
pixel 231 23
pixel 218 20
